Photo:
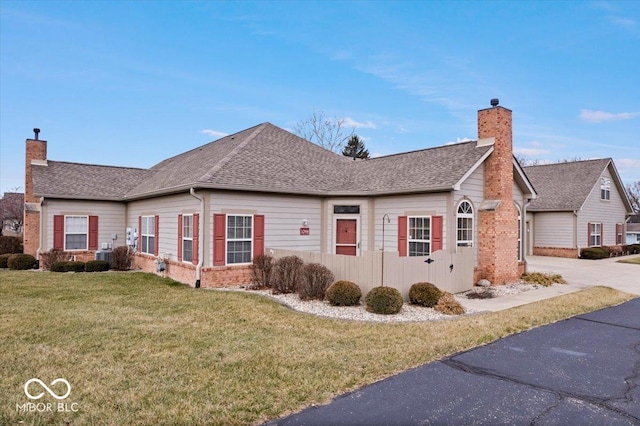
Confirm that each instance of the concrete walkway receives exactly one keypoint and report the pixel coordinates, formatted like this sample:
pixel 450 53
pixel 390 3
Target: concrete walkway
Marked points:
pixel 579 273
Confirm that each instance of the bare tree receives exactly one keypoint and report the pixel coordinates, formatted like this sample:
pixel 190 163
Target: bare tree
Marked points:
pixel 633 191
pixel 11 210
pixel 331 133
pixel 524 162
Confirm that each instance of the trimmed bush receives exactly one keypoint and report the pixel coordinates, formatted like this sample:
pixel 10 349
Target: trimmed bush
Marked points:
pixel 75 266
pixel 287 272
pixel 10 244
pixel 424 294
pixel 593 253
pixel 96 266
pixel 4 259
pixel 343 293
pixel 448 305
pixel 631 249
pixel 384 300
pixel 60 266
pixel 261 269
pixel 121 258
pixel 21 262
pixel 316 278
pixel 47 259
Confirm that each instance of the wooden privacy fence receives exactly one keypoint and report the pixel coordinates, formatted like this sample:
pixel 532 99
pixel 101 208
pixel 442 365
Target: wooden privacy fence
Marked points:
pixel 452 272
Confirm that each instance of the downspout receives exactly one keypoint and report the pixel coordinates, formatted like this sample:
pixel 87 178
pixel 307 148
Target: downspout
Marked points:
pixel 40 231
pixel 523 227
pixel 200 238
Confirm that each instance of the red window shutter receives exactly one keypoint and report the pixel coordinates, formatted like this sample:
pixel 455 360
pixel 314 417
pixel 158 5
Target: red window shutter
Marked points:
pixel 219 239
pixel 58 232
pixel 196 237
pixel 436 233
pixel 179 238
pixel 589 234
pixel 93 232
pixel 402 235
pixel 155 249
pixel 258 235
pixel 139 241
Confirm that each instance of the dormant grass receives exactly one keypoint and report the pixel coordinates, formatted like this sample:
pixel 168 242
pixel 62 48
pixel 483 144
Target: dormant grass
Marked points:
pixel 138 349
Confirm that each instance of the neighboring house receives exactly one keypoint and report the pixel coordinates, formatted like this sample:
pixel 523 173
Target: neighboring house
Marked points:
pixel 209 211
pixel 580 204
pixel 633 229
pixel 11 214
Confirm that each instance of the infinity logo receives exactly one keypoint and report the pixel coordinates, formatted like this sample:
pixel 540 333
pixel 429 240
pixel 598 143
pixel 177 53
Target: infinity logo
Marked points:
pixel 52 393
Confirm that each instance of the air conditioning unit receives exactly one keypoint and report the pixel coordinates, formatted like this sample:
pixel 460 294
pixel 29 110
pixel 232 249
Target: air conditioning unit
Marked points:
pixel 103 255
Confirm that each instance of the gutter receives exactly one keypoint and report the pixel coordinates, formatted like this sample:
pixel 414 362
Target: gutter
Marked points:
pixel 200 238
pixel 523 224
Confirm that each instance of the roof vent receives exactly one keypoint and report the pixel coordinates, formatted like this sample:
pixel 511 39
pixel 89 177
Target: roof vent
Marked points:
pixel 494 102
pixel 36 131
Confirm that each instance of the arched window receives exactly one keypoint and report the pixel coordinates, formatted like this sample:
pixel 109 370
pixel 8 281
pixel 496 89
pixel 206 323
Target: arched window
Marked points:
pixel 519 231
pixel 465 224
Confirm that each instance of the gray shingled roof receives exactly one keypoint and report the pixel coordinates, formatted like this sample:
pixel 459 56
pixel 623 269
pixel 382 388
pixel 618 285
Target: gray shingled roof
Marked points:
pixel 86 181
pixel 564 186
pixel 267 158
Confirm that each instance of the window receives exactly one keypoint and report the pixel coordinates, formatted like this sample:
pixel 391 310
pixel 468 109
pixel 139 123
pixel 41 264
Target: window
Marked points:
pixel 148 235
pixel 239 241
pixel 595 234
pixel 419 236
pixel 605 188
pixel 465 224
pixel 619 233
pixel 75 232
pixel 519 232
pixel 187 238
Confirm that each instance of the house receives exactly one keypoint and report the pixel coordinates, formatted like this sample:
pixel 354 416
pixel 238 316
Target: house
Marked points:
pixel 633 229
pixel 11 205
pixel 580 204
pixel 207 212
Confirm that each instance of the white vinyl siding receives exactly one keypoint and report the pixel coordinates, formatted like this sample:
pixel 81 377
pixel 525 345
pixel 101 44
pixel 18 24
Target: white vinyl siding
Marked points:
pixel 111 219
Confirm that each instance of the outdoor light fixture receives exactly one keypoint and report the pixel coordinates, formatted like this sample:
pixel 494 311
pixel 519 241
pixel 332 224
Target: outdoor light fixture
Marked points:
pixel 305 222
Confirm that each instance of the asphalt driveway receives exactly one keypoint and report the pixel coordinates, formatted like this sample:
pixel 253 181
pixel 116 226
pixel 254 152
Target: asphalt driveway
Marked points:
pixel 580 371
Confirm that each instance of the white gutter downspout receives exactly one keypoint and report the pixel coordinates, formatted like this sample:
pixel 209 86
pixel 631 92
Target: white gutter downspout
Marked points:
pixel 40 230
pixel 200 239
pixel 523 224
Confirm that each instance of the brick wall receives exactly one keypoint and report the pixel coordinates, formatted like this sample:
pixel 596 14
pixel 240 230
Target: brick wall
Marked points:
pixel 572 253
pixel 498 228
pixel 34 150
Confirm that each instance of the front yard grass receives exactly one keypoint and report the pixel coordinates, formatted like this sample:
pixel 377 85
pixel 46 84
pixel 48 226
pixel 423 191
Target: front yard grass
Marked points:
pixel 634 260
pixel 138 349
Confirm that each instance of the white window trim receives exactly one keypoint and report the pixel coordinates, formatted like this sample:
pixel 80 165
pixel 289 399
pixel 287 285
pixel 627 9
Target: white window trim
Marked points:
pixel 593 227
pixel 184 238
pixel 412 240
pixel 143 235
pixel 605 185
pixel 227 239
pixel 471 215
pixel 355 217
pixel 86 233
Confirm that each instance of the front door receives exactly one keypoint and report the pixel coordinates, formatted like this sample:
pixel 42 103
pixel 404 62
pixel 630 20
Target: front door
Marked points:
pixel 347 236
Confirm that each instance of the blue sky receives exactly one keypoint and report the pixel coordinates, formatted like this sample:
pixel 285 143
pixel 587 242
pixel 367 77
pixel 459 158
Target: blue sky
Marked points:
pixel 132 83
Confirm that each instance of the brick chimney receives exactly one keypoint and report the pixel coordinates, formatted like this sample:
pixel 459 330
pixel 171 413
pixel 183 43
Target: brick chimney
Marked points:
pixel 36 152
pixel 498 217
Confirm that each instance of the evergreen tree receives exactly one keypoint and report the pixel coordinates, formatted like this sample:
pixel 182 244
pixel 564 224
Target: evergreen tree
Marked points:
pixel 355 148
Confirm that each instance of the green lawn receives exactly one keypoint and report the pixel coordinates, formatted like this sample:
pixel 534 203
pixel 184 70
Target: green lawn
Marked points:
pixel 137 349
pixel 635 260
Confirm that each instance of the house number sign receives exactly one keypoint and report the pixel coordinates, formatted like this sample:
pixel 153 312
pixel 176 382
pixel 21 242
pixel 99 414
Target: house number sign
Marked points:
pixel 304 231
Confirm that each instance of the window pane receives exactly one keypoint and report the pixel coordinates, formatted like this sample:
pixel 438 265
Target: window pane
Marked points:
pixel 187 250
pixel 238 252
pixel 76 242
pixel 76 224
pixel 187 226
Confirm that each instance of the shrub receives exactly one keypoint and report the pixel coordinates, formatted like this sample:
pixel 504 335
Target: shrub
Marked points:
pixel 631 249
pixel 10 244
pixel 261 269
pixel 21 262
pixel 75 266
pixel 121 258
pixel 424 294
pixel 343 293
pixel 316 278
pixel 4 259
pixel 543 279
pixel 448 305
pixel 60 266
pixel 287 271
pixel 52 256
pixel 593 253
pixel 384 300
pixel 96 266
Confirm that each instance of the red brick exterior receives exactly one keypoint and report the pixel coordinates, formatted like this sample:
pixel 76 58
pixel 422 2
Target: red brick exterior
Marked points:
pixel 498 229
pixel 572 253
pixel 34 150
